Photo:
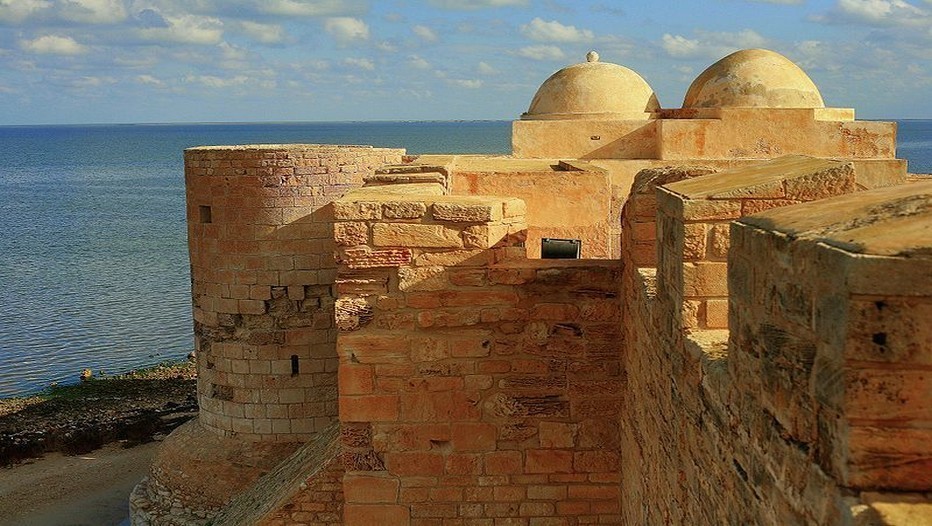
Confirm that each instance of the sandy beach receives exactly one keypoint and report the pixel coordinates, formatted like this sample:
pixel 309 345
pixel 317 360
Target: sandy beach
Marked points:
pixel 71 456
pixel 58 490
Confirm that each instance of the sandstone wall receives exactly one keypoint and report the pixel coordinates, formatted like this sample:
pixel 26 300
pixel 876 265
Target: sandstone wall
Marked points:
pixel 475 386
pixel 801 413
pixel 260 239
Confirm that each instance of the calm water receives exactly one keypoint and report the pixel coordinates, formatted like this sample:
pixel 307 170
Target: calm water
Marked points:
pixel 93 257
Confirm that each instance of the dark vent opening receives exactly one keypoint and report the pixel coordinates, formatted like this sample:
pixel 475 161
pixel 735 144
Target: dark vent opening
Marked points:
pixel 552 248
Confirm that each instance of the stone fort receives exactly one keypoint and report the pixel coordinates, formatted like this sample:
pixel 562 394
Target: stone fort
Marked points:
pixel 716 314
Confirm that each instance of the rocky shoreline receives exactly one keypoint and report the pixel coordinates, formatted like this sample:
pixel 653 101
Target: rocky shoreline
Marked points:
pixel 133 408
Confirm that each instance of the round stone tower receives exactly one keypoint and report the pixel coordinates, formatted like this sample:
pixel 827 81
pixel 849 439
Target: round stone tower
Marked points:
pixel 260 234
pixel 262 271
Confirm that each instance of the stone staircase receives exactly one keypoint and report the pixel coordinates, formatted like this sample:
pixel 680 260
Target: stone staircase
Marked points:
pixel 275 488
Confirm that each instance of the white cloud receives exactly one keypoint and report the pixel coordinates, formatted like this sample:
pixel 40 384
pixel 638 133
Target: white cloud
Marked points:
pixel 90 82
pixel 149 80
pixel 554 31
pixel 784 2
pixel 92 11
pixel 53 45
pixel 18 10
pixel 211 81
pixel 466 83
pixel 231 52
pixel 679 46
pixel 711 44
pixel 484 69
pixel 347 29
pixel 386 46
pixel 417 62
pixel 264 33
pixel 186 29
pixel 426 33
pixel 892 12
pixel 361 63
pixel 306 7
pixel 541 52
pixel 77 11
pixel 476 4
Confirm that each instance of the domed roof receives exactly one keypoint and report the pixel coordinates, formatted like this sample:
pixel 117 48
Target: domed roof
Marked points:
pixel 753 78
pixel 593 89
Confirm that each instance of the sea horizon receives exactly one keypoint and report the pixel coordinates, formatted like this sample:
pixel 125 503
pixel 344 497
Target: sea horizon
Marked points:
pixel 339 121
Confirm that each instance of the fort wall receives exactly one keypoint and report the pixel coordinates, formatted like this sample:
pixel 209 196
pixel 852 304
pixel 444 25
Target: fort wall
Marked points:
pixel 801 413
pixel 747 342
pixel 474 383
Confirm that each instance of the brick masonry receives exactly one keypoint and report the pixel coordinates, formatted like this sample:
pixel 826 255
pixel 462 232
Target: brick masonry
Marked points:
pixel 477 387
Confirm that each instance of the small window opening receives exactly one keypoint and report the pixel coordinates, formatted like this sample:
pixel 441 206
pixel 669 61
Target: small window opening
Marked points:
pixel 205 214
pixel 294 365
pixel 551 248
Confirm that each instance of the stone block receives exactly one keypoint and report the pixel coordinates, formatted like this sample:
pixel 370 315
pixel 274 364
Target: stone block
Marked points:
pixel 414 463
pixel 694 241
pixel 370 488
pixel 351 233
pixel 557 434
pixel 704 279
pixel 415 235
pixel 705 210
pixel 716 314
pixel 369 514
pixel 369 408
pixel 893 330
pixel 468 436
pixel 718 241
pixel 467 213
pixel 885 394
pixel 412 279
pixel 513 207
pixel 830 182
pixel 549 461
pixel 451 258
pixel 503 462
pixel 404 209
pixel 356 210
pixel 361 258
pixel 896 458
pixel 354 379
pixel 484 236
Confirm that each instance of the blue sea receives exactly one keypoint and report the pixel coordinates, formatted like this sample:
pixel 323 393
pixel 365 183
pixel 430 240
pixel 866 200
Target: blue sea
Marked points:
pixel 93 254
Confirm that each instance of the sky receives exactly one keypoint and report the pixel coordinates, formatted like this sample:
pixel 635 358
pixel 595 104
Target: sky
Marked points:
pixel 142 61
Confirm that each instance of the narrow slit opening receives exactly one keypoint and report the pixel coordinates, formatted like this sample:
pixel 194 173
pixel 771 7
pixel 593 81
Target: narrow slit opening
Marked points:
pixel 204 212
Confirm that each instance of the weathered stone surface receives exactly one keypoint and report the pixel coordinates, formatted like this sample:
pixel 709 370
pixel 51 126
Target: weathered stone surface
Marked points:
pixel 415 235
pixel 467 213
pixel 404 209
pixel 365 258
pixel 348 234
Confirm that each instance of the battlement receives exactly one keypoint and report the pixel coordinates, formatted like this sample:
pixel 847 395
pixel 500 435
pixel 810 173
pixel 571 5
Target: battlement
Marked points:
pixel 746 338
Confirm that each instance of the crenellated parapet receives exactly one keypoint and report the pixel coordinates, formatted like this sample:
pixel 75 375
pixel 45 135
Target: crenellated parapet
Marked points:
pixel 811 406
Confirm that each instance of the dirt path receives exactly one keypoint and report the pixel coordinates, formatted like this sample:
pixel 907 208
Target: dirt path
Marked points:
pixel 58 490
